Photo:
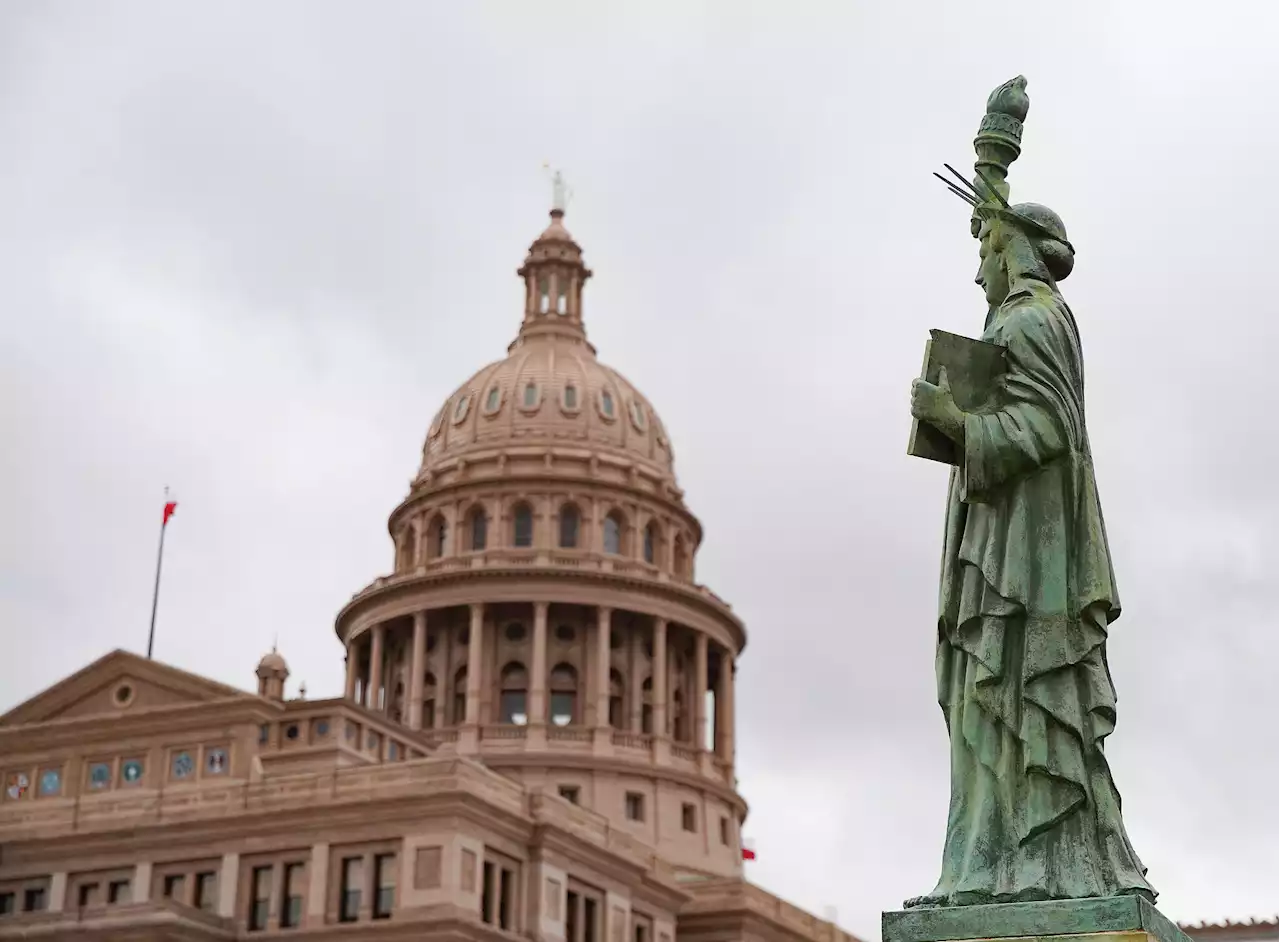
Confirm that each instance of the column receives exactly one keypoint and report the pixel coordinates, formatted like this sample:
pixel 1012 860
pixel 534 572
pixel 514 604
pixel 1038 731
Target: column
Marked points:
pixel 724 703
pixel 353 669
pixel 604 620
pixel 700 692
pixel 659 677
pixel 140 888
pixel 415 527
pixel 417 667
pixel 228 877
pixel 475 662
pixel 375 670
pixel 318 882
pixel 57 892
pixel 538 671
pixel 635 682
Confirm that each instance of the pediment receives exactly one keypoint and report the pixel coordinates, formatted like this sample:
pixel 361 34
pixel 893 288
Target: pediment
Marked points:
pixel 116 683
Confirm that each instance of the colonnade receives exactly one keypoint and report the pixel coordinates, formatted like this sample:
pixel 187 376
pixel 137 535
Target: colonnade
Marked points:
pixel 637 679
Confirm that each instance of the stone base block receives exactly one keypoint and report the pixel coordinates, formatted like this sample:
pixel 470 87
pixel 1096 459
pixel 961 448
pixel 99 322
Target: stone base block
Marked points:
pixel 1115 919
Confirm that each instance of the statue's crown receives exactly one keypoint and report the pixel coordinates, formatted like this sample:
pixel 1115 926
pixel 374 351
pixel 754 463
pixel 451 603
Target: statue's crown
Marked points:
pixel 1031 217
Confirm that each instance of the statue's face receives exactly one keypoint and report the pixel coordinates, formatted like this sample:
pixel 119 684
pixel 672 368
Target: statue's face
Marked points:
pixel 993 274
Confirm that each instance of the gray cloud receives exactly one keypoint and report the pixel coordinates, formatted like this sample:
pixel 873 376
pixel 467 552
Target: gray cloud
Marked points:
pixel 247 250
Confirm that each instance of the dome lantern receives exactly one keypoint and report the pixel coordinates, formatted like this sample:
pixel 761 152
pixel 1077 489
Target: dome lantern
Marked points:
pixel 554 275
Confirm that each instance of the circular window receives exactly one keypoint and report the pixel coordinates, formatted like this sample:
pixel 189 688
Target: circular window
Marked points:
pixel 530 396
pixel 569 398
pixel 637 415
pixel 292 731
pixel 123 695
pixel 460 408
pixel 515 631
pixel 564 633
pixel 322 727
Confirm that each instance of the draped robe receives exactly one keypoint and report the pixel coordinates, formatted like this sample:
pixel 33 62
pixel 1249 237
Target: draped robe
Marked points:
pixel 1026 596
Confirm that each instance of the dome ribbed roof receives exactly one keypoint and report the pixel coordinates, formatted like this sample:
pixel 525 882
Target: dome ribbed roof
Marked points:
pixel 551 389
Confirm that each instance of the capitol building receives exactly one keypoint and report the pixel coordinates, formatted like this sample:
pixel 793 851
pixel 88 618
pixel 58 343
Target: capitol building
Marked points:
pixel 535 739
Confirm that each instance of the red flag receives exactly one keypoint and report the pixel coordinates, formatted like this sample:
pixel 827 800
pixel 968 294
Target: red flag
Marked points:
pixel 169 508
pixel 748 850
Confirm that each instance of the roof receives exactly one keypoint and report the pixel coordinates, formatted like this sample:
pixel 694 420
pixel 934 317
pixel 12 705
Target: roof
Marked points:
pixel 114 666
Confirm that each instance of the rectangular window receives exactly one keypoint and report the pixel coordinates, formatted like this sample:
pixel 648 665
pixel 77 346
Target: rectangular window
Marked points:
pixel 88 895
pixel 260 901
pixel 6 904
pixel 570 793
pixel 384 875
pixel 635 806
pixel 506 889
pixel 724 830
pixel 206 890
pixel 173 884
pixel 291 896
pixel 640 928
pixel 571 920
pixel 688 817
pixel 33 900
pixel 352 878
pixel 118 891
pixel 487 893
pixel 590 916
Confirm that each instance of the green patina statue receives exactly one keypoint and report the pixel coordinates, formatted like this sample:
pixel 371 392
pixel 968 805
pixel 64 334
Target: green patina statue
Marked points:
pixel 1027 590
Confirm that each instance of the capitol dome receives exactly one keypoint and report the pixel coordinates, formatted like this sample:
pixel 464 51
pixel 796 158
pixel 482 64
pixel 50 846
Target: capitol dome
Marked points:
pixel 551 388
pixel 542 612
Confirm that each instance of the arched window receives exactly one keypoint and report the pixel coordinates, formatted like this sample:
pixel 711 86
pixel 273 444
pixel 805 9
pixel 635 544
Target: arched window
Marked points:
pixel 606 403
pixel 569 521
pixel 513 702
pixel 680 557
pixel 651 543
pixel 544 294
pixel 460 696
pixel 429 700
pixel 613 533
pixel 617 700
pixel 522 526
pixel 437 537
pixel 493 400
pixel 646 706
pixel 564 695
pixel 562 294
pixel 478 527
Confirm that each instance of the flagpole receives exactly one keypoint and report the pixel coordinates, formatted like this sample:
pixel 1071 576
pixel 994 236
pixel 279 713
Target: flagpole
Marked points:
pixel 155 592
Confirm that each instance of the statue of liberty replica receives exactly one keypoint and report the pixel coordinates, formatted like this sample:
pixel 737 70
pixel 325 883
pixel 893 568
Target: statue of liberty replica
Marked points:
pixel 1027 593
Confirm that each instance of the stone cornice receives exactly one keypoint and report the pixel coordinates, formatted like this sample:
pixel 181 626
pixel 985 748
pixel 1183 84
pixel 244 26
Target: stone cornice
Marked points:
pixel 400 595
pixel 268 830
pixel 620 766
pixel 425 494
pixel 169 719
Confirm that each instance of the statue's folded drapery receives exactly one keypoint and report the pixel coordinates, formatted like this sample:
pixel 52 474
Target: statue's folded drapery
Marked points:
pixel 1026 595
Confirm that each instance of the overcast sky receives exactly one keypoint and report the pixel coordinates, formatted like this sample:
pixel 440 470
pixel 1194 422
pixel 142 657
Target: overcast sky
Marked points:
pixel 246 250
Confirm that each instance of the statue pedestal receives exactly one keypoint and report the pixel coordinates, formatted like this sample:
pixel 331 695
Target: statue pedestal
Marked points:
pixel 1115 919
